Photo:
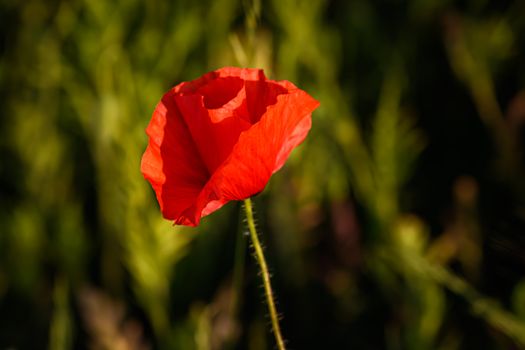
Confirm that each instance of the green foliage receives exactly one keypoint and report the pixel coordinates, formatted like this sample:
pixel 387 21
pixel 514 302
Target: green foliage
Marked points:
pixel 398 224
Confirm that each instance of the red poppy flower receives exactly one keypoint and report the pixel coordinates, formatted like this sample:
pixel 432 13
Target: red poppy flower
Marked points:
pixel 220 138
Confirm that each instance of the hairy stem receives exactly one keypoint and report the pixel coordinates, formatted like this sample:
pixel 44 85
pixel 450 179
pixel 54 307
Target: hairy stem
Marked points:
pixel 259 255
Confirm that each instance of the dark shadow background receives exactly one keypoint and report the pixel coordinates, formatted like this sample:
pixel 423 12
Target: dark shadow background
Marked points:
pixel 398 224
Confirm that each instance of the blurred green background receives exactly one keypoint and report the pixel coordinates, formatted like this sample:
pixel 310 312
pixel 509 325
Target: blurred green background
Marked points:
pixel 398 224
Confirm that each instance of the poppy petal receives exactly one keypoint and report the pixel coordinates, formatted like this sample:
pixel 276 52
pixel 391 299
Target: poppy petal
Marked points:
pixel 220 138
pixel 259 152
pixel 171 162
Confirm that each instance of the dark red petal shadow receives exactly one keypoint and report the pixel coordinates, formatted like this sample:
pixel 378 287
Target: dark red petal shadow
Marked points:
pixel 171 162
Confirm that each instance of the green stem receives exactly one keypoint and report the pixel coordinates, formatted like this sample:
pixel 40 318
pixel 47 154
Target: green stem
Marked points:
pixel 259 255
